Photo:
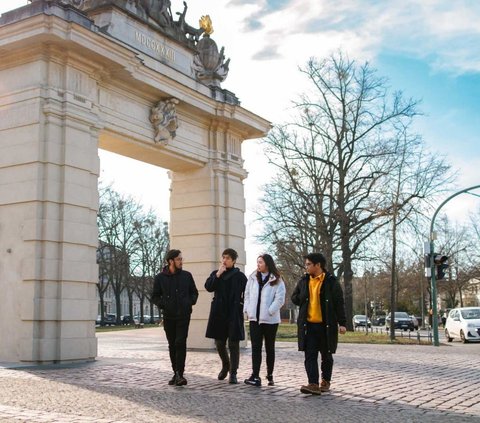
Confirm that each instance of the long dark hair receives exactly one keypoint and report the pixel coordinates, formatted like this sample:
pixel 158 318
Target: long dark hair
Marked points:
pixel 272 268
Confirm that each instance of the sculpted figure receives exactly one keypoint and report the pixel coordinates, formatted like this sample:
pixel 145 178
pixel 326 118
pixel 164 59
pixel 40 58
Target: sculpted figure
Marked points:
pixel 159 10
pixel 164 120
pixel 189 31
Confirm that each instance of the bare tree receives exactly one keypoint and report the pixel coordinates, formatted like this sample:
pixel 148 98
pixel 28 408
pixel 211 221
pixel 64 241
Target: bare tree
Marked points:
pixel 116 217
pixel 152 243
pixel 415 180
pixel 334 163
pixel 456 242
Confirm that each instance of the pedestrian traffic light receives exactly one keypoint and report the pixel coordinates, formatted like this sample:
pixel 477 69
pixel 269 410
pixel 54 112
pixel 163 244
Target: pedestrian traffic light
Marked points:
pixel 441 264
pixel 427 265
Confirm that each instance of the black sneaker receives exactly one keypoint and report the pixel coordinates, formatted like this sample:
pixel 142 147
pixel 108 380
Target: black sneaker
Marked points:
pixel 233 379
pixel 270 380
pixel 180 381
pixel 253 381
pixel 173 380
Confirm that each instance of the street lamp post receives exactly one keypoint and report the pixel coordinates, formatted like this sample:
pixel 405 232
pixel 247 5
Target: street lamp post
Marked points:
pixel 432 264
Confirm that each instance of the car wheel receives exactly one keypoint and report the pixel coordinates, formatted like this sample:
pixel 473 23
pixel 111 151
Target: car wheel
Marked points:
pixel 462 337
pixel 447 335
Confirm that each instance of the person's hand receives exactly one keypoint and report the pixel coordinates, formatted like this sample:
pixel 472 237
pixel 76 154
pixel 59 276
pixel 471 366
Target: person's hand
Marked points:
pixel 220 270
pixel 342 330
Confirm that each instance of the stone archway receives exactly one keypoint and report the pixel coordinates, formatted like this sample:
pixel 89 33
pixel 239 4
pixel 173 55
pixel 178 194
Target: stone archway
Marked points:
pixel 73 81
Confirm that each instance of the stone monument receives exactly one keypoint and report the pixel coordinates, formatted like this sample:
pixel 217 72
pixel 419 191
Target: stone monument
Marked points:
pixel 127 76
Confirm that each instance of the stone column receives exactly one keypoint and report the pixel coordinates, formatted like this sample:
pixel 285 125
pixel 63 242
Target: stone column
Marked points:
pixel 48 202
pixel 207 215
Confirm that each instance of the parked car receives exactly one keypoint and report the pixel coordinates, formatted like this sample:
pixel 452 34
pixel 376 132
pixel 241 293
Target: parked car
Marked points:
pixel 361 320
pixel 414 321
pixel 463 323
pixel 378 320
pixel 108 320
pixel 129 320
pixel 401 321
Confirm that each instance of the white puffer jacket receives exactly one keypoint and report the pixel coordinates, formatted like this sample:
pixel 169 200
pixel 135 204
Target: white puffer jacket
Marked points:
pixel 272 299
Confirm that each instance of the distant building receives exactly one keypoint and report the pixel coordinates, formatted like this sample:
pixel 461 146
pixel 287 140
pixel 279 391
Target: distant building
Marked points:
pixel 471 293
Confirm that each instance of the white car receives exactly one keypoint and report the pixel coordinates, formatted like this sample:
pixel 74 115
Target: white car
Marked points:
pixel 463 323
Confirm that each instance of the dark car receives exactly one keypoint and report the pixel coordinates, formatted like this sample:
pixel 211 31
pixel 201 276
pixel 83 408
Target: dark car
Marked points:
pixel 108 320
pixel 402 321
pixel 127 320
pixel 378 320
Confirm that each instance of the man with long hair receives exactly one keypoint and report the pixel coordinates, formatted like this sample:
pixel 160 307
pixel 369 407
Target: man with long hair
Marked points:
pixel 321 316
pixel 175 293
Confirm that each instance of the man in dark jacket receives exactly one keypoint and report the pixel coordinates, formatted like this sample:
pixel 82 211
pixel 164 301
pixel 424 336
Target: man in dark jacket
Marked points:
pixel 175 293
pixel 226 313
pixel 320 318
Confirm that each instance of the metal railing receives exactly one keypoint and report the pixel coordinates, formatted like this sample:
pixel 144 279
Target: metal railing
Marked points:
pixel 419 335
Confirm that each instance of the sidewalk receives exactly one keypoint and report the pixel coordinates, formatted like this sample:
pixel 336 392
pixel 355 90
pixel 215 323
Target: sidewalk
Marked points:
pixel 128 383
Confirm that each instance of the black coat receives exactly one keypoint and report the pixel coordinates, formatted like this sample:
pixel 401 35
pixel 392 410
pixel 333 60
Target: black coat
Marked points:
pixel 331 303
pixel 174 293
pixel 226 310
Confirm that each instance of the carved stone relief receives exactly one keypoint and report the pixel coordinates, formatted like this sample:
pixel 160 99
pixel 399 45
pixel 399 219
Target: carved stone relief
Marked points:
pixel 164 120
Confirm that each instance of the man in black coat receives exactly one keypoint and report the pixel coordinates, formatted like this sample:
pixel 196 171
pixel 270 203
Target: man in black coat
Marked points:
pixel 226 312
pixel 321 316
pixel 175 293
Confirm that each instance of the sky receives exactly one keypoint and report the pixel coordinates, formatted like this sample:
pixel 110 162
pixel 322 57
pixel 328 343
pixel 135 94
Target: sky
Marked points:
pixel 426 48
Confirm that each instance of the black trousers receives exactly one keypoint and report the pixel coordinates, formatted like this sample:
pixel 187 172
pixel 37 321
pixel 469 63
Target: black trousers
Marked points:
pixel 231 363
pixel 259 332
pixel 315 342
pixel 177 332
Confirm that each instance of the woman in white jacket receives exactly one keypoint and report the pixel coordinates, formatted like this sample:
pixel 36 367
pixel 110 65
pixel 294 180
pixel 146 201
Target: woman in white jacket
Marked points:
pixel 264 296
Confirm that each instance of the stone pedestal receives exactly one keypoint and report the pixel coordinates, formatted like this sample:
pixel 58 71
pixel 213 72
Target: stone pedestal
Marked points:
pixel 207 216
pixel 48 201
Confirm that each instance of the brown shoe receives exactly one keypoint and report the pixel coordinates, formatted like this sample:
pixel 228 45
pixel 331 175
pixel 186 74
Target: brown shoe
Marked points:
pixel 324 386
pixel 311 388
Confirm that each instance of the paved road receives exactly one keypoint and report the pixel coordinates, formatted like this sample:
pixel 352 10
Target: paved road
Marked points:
pixel 372 383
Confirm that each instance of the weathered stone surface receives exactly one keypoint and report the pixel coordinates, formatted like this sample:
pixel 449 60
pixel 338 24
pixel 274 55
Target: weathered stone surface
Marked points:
pixel 68 88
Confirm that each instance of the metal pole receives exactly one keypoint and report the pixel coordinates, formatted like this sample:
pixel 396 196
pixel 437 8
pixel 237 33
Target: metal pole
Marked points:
pixel 432 265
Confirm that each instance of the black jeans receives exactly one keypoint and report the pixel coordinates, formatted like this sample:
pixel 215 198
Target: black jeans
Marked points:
pixel 231 363
pixel 177 332
pixel 259 332
pixel 315 341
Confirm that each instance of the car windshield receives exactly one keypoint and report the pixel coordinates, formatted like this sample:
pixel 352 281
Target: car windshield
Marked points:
pixel 471 314
pixel 401 314
pixel 360 317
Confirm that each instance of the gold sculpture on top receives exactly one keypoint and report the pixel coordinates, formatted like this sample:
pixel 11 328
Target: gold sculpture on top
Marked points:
pixel 206 24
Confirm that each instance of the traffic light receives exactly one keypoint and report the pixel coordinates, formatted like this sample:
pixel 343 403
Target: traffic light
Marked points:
pixel 441 264
pixel 427 265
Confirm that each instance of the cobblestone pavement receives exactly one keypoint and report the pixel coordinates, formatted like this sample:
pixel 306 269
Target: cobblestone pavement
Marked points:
pixel 371 383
